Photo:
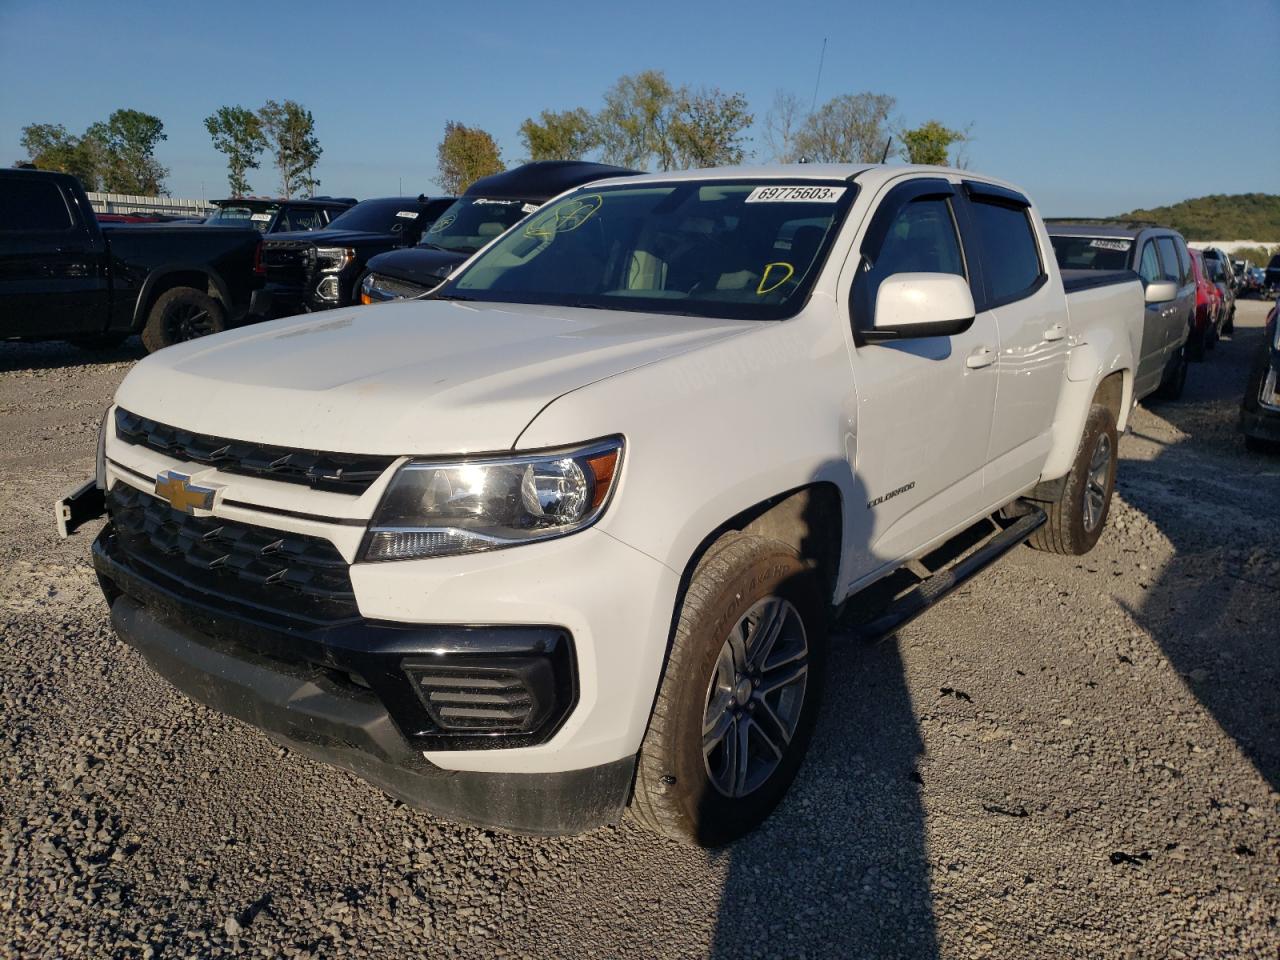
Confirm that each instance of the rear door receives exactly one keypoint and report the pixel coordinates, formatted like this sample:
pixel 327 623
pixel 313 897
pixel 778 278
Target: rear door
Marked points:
pixel 924 404
pixel 1031 318
pixel 52 273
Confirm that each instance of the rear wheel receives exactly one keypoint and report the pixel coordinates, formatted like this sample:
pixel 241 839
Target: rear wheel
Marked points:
pixel 1195 345
pixel 182 313
pixel 1175 377
pixel 1077 516
pixel 1230 325
pixel 736 706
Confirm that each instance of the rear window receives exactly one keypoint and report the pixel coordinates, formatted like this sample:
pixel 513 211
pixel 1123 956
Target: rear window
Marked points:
pixel 1092 253
pixel 32 204
pixel 1010 257
pixel 236 216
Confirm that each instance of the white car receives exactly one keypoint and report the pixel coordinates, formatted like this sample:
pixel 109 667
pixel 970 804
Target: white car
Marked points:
pixel 567 536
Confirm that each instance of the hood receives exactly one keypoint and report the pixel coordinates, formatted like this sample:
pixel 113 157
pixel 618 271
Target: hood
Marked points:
pixel 328 238
pixel 420 265
pixel 407 377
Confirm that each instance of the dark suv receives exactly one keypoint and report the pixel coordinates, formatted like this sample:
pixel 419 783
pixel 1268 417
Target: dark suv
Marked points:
pixel 490 207
pixel 321 269
pixel 268 215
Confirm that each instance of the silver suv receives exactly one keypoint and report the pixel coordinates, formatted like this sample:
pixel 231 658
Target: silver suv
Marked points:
pixel 1154 253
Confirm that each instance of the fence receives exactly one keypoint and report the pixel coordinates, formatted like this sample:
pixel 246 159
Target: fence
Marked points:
pixel 128 203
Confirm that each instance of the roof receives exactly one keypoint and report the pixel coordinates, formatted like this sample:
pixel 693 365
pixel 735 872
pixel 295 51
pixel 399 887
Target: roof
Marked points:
pixel 541 180
pixel 1100 227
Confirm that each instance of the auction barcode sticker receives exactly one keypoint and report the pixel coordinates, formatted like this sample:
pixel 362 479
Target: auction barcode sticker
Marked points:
pixel 260 217
pixel 808 194
pixel 407 214
pixel 1110 244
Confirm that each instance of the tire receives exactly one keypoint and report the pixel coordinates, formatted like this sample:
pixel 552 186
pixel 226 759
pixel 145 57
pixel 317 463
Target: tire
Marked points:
pixel 182 313
pixel 1195 345
pixel 682 793
pixel 1175 378
pixel 1229 326
pixel 1075 523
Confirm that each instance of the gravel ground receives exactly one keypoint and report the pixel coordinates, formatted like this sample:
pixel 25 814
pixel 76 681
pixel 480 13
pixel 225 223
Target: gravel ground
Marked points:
pixel 1074 757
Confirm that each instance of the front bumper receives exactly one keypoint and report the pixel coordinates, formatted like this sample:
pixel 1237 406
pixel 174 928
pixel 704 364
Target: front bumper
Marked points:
pixel 339 694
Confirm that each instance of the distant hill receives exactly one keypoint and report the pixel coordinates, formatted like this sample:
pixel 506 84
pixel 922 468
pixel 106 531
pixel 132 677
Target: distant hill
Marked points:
pixel 1240 216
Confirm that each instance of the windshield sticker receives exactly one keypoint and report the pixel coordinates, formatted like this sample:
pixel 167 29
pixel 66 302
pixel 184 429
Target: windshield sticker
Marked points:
pixel 260 217
pixel 568 216
pixel 486 202
pixel 814 194
pixel 786 270
pixel 442 223
pixel 1110 244
pixel 407 214
pixel 529 207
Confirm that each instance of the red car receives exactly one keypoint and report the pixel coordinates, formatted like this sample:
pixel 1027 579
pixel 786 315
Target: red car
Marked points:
pixel 1204 331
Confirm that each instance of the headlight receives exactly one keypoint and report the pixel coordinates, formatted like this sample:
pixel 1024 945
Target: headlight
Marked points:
pixel 100 461
pixel 333 259
pixel 444 508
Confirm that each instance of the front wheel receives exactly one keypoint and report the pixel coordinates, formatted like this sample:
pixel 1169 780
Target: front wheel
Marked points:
pixel 736 706
pixel 1175 377
pixel 1077 516
pixel 182 313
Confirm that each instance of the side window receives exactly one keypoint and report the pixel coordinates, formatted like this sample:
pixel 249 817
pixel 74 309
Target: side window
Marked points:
pixel 921 239
pixel 1171 267
pixel 32 204
pixel 1010 255
pixel 1149 265
pixel 1184 259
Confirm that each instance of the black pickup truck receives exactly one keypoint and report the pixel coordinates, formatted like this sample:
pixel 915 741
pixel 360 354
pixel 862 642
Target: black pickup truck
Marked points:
pixel 321 269
pixel 64 276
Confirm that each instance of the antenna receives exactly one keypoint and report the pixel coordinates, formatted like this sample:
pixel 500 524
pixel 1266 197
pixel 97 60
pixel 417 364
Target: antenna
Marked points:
pixel 821 58
pixel 885 156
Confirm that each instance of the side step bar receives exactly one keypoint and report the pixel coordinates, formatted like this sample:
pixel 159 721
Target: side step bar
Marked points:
pixel 923 596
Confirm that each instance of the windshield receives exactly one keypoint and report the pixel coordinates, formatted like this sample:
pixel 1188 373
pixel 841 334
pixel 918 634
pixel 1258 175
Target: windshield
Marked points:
pixel 1092 253
pixel 473 221
pixel 242 216
pixel 731 249
pixel 379 216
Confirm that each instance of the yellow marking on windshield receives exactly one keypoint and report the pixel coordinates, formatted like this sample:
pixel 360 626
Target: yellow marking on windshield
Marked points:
pixel 567 216
pixel 764 279
pixel 442 223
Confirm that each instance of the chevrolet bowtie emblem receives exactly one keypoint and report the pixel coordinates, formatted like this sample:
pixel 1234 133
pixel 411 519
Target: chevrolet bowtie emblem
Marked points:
pixel 182 494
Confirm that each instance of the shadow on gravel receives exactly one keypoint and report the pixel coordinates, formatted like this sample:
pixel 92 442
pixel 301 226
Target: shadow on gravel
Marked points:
pixel 848 842
pixel 57 354
pixel 1215 609
pixel 841 869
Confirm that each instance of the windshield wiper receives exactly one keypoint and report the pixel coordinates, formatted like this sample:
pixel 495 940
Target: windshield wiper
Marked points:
pixel 448 296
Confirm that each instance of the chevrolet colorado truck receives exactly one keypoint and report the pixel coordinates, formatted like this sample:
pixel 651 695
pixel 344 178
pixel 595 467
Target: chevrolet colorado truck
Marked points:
pixel 567 535
pixel 63 276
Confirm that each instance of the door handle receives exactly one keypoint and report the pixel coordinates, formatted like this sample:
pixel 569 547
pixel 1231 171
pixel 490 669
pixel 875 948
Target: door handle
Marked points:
pixel 1056 332
pixel 981 357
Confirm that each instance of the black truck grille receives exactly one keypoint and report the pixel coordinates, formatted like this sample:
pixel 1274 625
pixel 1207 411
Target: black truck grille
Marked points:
pixel 341 472
pixel 288 261
pixel 276 571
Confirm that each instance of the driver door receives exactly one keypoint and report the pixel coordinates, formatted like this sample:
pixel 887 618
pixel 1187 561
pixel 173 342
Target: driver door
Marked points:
pixel 924 404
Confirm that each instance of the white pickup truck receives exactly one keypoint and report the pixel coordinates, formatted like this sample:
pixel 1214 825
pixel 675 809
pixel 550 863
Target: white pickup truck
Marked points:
pixel 566 536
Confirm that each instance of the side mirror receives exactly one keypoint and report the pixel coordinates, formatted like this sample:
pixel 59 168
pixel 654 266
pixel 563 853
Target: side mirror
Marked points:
pixel 1161 291
pixel 921 305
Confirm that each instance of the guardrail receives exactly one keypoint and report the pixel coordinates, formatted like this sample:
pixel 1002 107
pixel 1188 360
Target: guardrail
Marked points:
pixel 130 203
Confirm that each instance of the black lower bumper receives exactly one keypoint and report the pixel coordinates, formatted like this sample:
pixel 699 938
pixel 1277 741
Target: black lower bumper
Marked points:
pixel 1261 423
pixel 325 692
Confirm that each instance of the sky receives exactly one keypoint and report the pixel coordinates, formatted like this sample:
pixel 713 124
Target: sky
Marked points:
pixel 1092 107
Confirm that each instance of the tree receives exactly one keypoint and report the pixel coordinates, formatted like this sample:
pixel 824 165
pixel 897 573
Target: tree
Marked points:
pixel 929 143
pixel 50 147
pixel 237 132
pixel 852 128
pixel 782 125
pixel 464 156
pixel 633 121
pixel 645 122
pixel 707 128
pixel 128 142
pixel 567 135
pixel 290 132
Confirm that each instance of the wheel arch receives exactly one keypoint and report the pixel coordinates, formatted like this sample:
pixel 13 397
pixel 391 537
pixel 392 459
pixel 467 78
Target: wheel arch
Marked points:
pixel 163 279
